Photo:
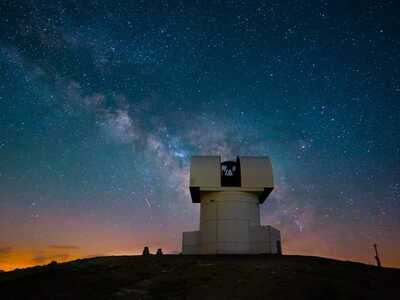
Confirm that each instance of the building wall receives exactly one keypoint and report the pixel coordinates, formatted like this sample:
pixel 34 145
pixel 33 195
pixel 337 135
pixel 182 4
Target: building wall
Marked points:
pixel 205 171
pixel 256 172
pixel 264 239
pixel 230 224
pixel 225 219
pixel 191 242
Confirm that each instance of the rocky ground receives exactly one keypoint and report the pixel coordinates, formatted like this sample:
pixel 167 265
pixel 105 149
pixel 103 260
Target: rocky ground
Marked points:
pixel 202 277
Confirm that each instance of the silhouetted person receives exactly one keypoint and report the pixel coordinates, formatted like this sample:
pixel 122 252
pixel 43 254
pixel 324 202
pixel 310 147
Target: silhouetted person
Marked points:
pixel 159 251
pixel 146 251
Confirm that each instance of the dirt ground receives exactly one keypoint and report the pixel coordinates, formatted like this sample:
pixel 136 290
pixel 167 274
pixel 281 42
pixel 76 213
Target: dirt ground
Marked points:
pixel 202 277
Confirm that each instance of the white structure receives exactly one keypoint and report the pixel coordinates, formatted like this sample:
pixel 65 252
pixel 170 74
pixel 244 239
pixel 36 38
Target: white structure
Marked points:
pixel 229 194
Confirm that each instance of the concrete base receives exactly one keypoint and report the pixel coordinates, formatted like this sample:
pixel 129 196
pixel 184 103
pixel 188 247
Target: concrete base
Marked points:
pixel 191 242
pixel 262 240
pixel 230 224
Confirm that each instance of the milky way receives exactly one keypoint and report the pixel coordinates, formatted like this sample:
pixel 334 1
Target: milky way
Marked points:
pixel 103 103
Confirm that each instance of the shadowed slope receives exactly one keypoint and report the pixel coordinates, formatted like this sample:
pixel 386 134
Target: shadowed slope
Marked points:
pixel 202 277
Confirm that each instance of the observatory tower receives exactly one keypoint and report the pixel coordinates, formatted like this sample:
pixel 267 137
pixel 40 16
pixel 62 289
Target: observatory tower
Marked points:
pixel 230 194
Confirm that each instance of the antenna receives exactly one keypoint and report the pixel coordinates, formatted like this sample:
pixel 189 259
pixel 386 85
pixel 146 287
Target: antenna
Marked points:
pixel 378 261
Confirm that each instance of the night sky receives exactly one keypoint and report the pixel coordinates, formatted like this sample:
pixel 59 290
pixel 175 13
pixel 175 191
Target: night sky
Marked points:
pixel 103 103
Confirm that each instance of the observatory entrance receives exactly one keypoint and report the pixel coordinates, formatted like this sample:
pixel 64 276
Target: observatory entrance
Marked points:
pixel 230 173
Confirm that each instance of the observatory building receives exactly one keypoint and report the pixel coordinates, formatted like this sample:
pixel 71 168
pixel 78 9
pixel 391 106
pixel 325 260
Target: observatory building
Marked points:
pixel 230 194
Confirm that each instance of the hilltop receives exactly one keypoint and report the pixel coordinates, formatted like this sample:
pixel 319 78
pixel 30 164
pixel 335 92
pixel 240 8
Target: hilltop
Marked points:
pixel 202 277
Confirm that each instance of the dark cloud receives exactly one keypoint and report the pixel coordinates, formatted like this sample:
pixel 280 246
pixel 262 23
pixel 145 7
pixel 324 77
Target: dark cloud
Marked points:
pixel 63 247
pixel 5 250
pixel 40 259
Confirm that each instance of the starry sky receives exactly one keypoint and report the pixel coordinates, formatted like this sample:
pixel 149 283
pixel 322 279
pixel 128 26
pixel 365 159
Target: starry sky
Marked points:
pixel 102 103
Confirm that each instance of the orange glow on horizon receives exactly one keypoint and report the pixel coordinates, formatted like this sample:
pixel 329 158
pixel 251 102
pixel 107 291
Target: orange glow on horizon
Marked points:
pixel 20 258
pixel 25 257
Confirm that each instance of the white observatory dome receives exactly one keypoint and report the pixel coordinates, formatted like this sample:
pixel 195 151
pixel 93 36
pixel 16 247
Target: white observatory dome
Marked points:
pixel 230 194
